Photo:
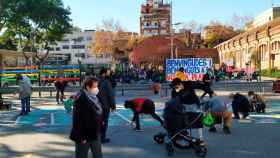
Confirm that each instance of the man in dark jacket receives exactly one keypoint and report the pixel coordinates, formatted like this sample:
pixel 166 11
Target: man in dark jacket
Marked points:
pixel 185 89
pixel 207 81
pixel 142 106
pixel 87 120
pixel 240 104
pixel 107 98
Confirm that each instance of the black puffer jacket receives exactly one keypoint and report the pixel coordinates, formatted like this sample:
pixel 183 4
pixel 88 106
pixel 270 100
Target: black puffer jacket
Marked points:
pixel 86 121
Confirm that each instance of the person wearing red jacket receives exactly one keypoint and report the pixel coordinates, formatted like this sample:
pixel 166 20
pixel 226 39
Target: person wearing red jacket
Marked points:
pixel 141 106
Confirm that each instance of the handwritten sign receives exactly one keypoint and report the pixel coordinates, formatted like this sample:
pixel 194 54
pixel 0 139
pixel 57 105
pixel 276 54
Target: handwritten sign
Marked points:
pixel 194 68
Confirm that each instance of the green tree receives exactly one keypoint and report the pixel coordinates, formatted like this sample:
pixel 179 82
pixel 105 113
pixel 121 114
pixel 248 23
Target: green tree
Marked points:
pixel 35 24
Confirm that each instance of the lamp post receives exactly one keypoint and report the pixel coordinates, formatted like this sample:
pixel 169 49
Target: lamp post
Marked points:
pixel 172 38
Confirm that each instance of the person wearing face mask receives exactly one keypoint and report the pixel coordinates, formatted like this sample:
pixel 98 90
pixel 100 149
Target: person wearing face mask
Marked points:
pixel 87 120
pixel 107 97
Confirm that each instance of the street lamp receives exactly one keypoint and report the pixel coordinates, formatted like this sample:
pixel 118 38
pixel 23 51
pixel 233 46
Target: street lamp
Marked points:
pixel 172 37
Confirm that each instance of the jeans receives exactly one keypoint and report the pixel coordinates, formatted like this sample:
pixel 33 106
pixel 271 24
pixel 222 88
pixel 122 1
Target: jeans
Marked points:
pixel 58 96
pixel 25 105
pixel 81 150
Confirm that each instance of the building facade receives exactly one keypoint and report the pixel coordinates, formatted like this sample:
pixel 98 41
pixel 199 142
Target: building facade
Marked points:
pixel 74 48
pixel 155 18
pixel 258 47
pixel 267 16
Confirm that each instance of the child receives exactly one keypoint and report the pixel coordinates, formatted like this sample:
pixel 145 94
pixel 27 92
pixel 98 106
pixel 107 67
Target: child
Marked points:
pixel 257 102
pixel 156 87
pixel 141 106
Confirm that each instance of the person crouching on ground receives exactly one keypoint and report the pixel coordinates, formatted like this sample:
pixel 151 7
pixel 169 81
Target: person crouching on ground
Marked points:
pixel 60 86
pixel 240 104
pixel 257 102
pixel 141 106
pixel 218 108
pixel 87 120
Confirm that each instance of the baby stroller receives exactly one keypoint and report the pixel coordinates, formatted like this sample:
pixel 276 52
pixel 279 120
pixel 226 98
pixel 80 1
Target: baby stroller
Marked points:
pixel 180 119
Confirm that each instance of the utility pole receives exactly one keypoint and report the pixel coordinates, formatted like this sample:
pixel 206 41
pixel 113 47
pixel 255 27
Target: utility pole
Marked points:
pixel 171 29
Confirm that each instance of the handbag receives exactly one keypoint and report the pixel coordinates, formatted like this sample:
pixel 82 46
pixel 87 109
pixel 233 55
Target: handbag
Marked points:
pixel 208 120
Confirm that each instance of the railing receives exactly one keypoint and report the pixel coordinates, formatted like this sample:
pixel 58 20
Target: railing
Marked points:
pixel 125 88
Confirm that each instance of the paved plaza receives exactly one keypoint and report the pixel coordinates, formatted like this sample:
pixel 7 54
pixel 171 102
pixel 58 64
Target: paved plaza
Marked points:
pixel 44 133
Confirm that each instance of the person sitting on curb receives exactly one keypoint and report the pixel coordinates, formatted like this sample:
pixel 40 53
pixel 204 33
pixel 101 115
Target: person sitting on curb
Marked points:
pixel 257 102
pixel 218 108
pixel 142 106
pixel 240 104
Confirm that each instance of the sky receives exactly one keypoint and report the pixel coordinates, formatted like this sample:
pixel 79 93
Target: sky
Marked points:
pixel 87 14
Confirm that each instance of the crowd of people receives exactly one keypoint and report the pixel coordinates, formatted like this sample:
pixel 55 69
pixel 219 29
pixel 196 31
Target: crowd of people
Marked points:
pixel 96 99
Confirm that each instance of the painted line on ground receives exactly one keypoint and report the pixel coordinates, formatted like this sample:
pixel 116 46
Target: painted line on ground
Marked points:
pixel 122 117
pixel 18 120
pixel 52 119
pixel 276 116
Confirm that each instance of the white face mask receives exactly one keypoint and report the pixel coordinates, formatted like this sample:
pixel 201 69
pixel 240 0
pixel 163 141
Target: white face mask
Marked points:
pixel 94 91
pixel 177 90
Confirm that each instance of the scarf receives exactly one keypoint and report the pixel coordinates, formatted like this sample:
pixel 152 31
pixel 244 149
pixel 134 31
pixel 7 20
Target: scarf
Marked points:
pixel 95 100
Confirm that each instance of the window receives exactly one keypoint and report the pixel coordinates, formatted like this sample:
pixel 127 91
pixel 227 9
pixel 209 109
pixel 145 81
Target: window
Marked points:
pixel 78 46
pixel 65 41
pixel 51 49
pixel 57 48
pixel 79 39
pixel 80 55
pixel 89 38
pixel 65 47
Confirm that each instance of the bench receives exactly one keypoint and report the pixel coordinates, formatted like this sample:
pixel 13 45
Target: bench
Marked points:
pixel 6 105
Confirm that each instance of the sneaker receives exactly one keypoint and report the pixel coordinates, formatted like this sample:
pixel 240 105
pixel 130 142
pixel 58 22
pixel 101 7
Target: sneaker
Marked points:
pixel 245 116
pixel 213 129
pixel 226 130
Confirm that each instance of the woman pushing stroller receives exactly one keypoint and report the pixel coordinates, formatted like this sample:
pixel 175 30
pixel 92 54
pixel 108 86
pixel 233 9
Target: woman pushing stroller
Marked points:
pixel 181 114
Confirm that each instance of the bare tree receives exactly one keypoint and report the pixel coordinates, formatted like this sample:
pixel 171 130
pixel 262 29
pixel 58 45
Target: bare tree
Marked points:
pixel 110 25
pixel 239 22
pixel 192 25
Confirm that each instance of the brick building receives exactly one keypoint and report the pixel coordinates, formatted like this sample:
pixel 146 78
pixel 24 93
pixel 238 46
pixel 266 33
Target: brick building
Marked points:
pixel 155 18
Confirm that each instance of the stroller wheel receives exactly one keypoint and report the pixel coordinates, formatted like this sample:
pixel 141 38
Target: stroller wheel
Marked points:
pixel 170 149
pixel 200 150
pixel 159 139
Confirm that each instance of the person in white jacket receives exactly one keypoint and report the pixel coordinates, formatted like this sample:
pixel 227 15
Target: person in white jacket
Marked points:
pixel 25 91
